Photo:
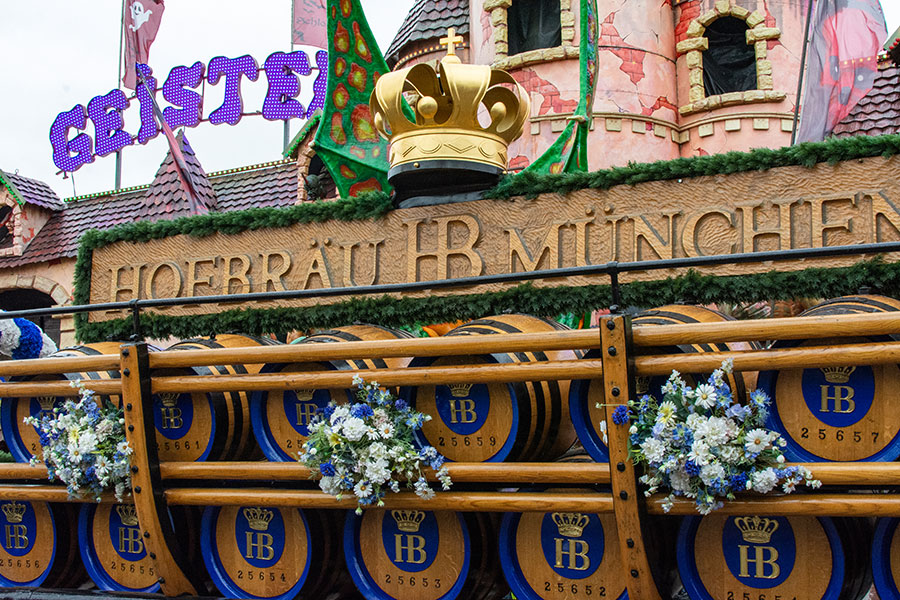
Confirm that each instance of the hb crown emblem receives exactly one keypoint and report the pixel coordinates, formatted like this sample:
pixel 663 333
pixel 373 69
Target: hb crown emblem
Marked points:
pixel 570 524
pixel 46 402
pixel 756 530
pixel 258 518
pixel 127 514
pixel 837 374
pixel 408 520
pixel 460 390
pixel 14 511
pixel 304 395
pixel 169 399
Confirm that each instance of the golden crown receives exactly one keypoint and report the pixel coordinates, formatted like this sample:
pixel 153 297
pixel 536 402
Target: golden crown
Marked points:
pixel 460 390
pixel 756 530
pixel 169 399
pixel 570 524
pixel 408 520
pixel 837 374
pixel 258 518
pixel 445 105
pixel 14 511
pixel 127 514
pixel 46 402
pixel 304 395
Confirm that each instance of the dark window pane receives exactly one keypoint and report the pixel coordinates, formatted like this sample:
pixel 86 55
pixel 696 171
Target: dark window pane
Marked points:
pixel 533 24
pixel 729 65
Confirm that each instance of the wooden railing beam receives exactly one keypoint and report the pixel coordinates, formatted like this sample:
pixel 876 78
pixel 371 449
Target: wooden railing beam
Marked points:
pixel 455 501
pixel 491 473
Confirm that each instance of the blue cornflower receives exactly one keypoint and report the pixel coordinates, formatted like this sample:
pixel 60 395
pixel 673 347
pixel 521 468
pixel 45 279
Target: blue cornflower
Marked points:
pixel 401 404
pixel 361 411
pixel 691 468
pixel 328 410
pixel 738 482
pixel 736 411
pixel 415 421
pixel 621 415
pixel 327 469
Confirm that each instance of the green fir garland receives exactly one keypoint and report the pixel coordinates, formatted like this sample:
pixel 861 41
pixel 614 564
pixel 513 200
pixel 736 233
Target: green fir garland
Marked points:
pixel 691 287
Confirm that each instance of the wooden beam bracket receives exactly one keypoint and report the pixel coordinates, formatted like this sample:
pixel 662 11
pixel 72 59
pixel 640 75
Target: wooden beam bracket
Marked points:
pixel 175 576
pixel 628 505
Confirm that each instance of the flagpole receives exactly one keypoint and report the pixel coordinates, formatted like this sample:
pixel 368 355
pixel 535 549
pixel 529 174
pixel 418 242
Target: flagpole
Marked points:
pixel 287 125
pixel 809 13
pixel 119 87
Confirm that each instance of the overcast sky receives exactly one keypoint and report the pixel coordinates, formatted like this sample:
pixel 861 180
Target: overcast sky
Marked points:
pixel 54 56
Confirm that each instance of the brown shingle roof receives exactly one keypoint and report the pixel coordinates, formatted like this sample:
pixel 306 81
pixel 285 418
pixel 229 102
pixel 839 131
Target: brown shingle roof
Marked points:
pixel 878 112
pixel 33 191
pixel 270 185
pixel 429 20
pixel 167 198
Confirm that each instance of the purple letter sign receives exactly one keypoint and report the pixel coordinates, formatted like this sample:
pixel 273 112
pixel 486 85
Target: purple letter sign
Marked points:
pixel 106 113
pixel 174 92
pixel 63 147
pixel 233 68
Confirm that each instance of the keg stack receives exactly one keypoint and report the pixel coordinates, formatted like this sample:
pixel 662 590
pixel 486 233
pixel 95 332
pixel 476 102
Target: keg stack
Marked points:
pixel 23 440
pixel 586 395
pixel 280 418
pixel 840 413
pixel 197 426
pixel 494 422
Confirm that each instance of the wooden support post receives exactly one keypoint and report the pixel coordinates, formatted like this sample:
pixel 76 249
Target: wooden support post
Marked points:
pixel 146 486
pixel 615 333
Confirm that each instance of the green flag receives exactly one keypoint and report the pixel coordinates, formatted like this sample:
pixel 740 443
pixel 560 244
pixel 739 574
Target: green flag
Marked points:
pixel 569 152
pixel 353 152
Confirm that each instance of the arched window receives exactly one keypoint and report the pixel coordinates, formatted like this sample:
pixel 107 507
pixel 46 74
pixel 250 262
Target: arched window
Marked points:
pixel 729 63
pixel 725 51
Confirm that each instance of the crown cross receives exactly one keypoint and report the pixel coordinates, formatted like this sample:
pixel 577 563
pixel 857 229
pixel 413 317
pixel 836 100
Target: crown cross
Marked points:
pixel 451 41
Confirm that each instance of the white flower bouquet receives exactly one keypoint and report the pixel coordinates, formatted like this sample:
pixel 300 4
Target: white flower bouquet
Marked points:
pixel 83 445
pixel 701 444
pixel 366 448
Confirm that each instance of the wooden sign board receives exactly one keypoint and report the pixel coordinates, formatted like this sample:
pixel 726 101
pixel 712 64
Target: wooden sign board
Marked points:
pixel 851 202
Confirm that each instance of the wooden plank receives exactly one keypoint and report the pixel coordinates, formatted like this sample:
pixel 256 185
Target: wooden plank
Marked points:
pixel 495 373
pixel 27 389
pixel 791 328
pixel 75 364
pixel 820 505
pixel 22 471
pixel 455 501
pixel 523 473
pixel 614 333
pixel 159 538
pixel 45 493
pixel 761 360
pixel 442 346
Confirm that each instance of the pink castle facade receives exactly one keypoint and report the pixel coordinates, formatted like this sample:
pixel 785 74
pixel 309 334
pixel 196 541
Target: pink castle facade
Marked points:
pixel 650 103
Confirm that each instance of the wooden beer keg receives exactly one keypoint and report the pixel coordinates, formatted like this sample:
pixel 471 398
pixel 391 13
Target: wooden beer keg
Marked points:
pixel 842 413
pixel 38 545
pixel 561 555
pixel 280 418
pixel 23 440
pixel 886 559
pixel 398 554
pixel 808 558
pixel 198 426
pixel 493 422
pixel 586 394
pixel 271 552
pixel 112 549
